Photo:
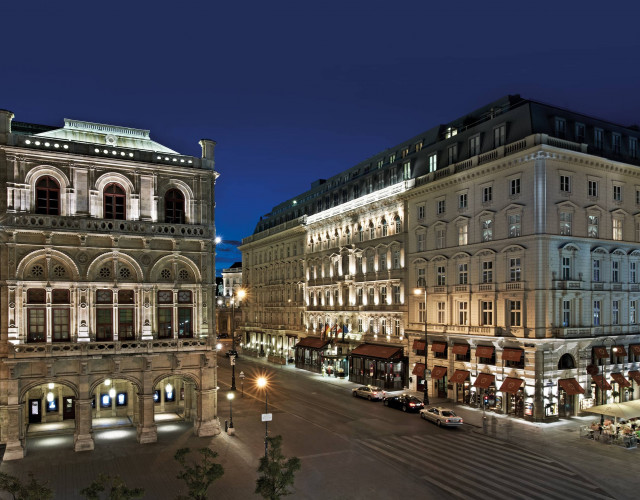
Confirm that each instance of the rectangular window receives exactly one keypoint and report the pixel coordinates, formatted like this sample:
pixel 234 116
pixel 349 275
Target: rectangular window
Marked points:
pixel 592 226
pixel 566 313
pixel 561 128
pixel 406 170
pixel 441 313
pixel 565 183
pixel 185 322
pixel 593 189
pixel 360 297
pixel 421 312
pixel 440 206
pixel 125 324
pixel 617 229
pixel 383 295
pixel 397 328
pixel 499 136
pixel 596 313
pixel 441 276
pixel 580 132
pixel 396 294
pixel 616 143
pixel 514 225
pixel 452 153
pixel 37 325
pixel 566 268
pixel 615 271
pixel 515 270
pixel 633 272
pixel 515 313
pixel 474 146
pixel 565 223
pixel 396 259
pixel 487 312
pixel 382 261
pixel 487 194
pixel 433 162
pixel 462 200
pixel 104 325
pixel 463 313
pixel 487 271
pixel 615 312
pixel 463 274
pixel 598 138
pixel 595 270
pixel 633 147
pixel 487 230
pixel 420 212
pixel 420 242
pixel 165 320
pixel 360 324
pixel 60 325
pixel 440 238
pixel 463 233
pixel 617 193
pixel 514 187
pixel 633 307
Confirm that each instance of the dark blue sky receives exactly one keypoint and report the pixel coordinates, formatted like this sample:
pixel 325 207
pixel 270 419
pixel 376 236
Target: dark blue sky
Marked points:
pixel 296 91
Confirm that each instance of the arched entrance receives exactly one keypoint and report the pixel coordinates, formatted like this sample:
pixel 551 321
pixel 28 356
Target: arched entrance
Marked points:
pixel 174 398
pixel 48 403
pixel 114 403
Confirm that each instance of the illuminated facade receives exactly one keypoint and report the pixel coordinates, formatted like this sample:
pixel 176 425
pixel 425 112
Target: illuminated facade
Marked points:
pixel 107 282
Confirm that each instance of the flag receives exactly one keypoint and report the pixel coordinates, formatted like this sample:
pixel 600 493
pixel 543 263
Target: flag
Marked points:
pixel 345 330
pixel 334 330
pixel 327 329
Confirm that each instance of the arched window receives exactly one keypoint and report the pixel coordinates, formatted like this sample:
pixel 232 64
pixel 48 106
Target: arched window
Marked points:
pixel 115 202
pixel 47 196
pixel 566 362
pixel 174 207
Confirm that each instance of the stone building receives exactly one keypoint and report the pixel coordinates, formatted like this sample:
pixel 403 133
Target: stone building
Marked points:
pixel 516 224
pixel 107 280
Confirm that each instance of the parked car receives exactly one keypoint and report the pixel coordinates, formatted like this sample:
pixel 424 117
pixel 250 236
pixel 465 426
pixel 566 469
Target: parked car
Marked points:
pixel 441 416
pixel 404 402
pixel 231 352
pixel 370 392
pixel 223 335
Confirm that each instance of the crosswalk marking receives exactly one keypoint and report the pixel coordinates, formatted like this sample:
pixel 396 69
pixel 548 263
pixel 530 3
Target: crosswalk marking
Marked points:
pixel 473 466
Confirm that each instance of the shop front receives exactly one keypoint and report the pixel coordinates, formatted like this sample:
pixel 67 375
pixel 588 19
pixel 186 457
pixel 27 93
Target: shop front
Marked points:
pixel 568 391
pixel 486 396
pixel 335 360
pixel 380 365
pixel 309 353
pixel 439 378
pixel 463 387
pixel 513 395
pixel 620 388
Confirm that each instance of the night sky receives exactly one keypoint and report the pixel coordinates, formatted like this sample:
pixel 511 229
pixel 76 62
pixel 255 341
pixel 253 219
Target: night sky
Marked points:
pixel 295 91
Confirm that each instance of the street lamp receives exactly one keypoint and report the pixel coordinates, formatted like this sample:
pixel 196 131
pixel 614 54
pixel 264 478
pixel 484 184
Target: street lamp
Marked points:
pixel 422 284
pixel 230 396
pixel 262 383
pixel 240 295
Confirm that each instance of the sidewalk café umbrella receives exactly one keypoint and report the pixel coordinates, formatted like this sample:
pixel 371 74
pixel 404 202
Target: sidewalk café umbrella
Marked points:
pixel 617 410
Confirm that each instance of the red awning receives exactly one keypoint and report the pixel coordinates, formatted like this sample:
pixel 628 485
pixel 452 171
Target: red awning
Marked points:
pixel 312 342
pixel 619 377
pixel 635 375
pixel 418 370
pixel 511 384
pixel 438 346
pixel 376 351
pixel 619 350
pixel 418 345
pixel 512 355
pixel 571 386
pixel 461 349
pixel 484 380
pixel 438 372
pixel 601 382
pixel 635 349
pixel 600 352
pixel 484 351
pixel 459 376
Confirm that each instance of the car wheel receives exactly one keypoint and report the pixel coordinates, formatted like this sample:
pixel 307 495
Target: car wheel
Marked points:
pixel 404 407
pixel 370 398
pixel 386 403
pixel 438 423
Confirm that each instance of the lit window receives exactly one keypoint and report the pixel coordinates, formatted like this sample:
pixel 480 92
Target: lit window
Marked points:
pixel 617 229
pixel 592 226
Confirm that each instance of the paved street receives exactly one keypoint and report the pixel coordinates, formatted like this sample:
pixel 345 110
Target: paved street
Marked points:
pixel 350 449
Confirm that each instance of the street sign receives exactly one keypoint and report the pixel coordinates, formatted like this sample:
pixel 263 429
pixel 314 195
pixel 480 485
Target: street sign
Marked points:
pixel 233 360
pixel 267 417
pixel 241 375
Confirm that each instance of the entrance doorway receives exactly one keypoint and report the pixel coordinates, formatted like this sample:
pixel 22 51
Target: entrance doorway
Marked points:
pixel 566 404
pixel 441 387
pixel 68 408
pixel 35 411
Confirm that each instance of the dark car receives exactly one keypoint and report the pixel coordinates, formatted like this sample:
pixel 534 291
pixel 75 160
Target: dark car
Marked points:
pixel 404 402
pixel 231 352
pixel 223 335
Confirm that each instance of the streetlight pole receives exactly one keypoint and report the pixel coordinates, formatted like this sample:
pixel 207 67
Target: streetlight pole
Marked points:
pixel 262 382
pixel 239 295
pixel 426 343
pixel 230 397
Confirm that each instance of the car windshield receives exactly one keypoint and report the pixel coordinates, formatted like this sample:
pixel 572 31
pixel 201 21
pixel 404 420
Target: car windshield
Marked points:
pixel 448 413
pixel 376 389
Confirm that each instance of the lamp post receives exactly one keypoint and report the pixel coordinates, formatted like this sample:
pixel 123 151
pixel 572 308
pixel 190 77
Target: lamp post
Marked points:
pixel 603 391
pixel 262 383
pixel 240 295
pixel 422 284
pixel 230 397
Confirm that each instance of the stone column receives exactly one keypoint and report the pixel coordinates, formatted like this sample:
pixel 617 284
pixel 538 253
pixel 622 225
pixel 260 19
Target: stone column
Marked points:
pixel 206 423
pixel 188 399
pixel 83 435
pixel 147 430
pixel 13 415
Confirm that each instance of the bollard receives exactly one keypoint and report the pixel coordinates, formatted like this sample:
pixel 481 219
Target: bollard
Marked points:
pixel 226 425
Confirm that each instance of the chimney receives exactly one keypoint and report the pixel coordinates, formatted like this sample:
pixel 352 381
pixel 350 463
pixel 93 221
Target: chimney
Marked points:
pixel 208 147
pixel 5 125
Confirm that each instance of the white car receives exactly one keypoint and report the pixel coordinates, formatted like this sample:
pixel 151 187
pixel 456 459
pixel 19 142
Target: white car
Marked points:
pixel 369 391
pixel 441 416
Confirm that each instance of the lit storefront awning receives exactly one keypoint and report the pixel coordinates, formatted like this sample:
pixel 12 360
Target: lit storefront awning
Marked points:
pixel 484 351
pixel 418 345
pixel 459 376
pixel 460 349
pixel 512 355
pixel 619 377
pixel 600 352
pixel 635 349
pixel 619 350
pixel 377 351
pixel 571 386
pixel 438 372
pixel 312 343
pixel 601 382
pixel 635 375
pixel 418 370
pixel 511 384
pixel 438 346
pixel 484 380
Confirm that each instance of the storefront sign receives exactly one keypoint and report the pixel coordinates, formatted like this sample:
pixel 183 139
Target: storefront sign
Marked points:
pixel 587 403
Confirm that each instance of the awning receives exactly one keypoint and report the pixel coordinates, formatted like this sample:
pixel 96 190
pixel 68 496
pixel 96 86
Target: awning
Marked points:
pixel 438 372
pixel 635 375
pixel 438 346
pixel 511 355
pixel 418 345
pixel 461 349
pixel 600 352
pixel 571 386
pixel 635 349
pixel 312 342
pixel 418 370
pixel 601 382
pixel 619 350
pixel 484 380
pixel 377 351
pixel 459 376
pixel 484 351
pixel 511 384
pixel 619 377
